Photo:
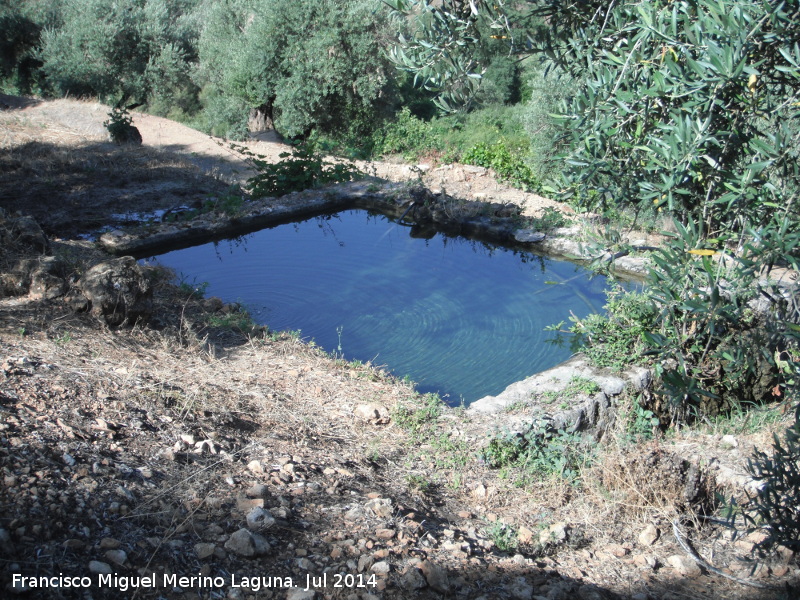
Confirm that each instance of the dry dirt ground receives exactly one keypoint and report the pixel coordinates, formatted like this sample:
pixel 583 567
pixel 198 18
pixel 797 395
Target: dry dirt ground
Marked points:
pixel 184 448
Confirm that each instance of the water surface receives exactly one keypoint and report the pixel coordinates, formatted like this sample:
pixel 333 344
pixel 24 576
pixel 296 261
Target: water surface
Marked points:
pixel 459 317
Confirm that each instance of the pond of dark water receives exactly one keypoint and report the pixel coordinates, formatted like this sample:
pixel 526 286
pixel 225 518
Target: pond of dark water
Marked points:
pixel 458 317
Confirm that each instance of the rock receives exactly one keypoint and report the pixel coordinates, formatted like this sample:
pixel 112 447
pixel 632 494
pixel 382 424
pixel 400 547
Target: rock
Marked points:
pixel 254 466
pixel 529 236
pixel 100 568
pixel 649 535
pixel 435 576
pixel 382 507
pixel 25 235
pixel 117 291
pixel 43 278
pixel 684 565
pixel 259 519
pixel 118 557
pixel 520 589
pixel 300 594
pixel 555 534
pixel 384 534
pixel 204 550
pixel 380 568
pixel 246 544
pixel 590 592
pixel 372 413
pixel 729 441
pixel 413 580
pixel 6 545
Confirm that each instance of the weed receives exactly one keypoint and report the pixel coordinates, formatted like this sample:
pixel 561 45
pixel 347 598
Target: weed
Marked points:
pixel 503 535
pixel 413 419
pixel 508 165
pixel 120 126
pixel 541 451
pixel 239 320
pixel 192 289
pixel 418 483
pixel 63 339
pixel 22 332
pixel 299 170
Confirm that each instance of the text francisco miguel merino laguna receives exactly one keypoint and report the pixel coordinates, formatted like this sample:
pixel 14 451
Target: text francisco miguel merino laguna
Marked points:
pixel 124 583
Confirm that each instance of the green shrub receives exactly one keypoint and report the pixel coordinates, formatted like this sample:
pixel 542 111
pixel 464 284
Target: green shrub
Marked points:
pixel 617 338
pixel 777 504
pixel 302 169
pixel 120 126
pixel 539 452
pixel 508 165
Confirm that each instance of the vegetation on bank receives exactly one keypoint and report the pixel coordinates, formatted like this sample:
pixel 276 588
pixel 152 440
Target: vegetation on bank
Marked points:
pixel 683 110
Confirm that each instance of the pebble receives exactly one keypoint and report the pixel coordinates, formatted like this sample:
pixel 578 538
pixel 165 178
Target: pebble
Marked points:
pixel 118 557
pixel 259 519
pixel 100 568
pixel 684 565
pixel 649 535
pixel 436 577
pixel 204 550
pixel 300 594
pixel 247 544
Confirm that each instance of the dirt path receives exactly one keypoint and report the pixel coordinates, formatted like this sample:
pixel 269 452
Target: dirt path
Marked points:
pixel 215 157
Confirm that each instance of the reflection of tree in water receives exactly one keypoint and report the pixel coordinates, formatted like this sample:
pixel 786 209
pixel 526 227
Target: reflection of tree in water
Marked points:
pixel 232 243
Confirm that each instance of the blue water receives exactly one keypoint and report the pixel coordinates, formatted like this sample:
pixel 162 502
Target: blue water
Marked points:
pixel 458 317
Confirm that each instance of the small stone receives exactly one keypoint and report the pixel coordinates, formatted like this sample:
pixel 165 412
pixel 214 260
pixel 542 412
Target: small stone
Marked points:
pixel 380 568
pixel 100 568
pixel 684 565
pixel 617 550
pixel 247 544
pixel 524 535
pixel 204 550
pixel 305 564
pixel 520 589
pixel 108 543
pixel 300 594
pixel 259 519
pixel 385 534
pixel 555 534
pixel 413 580
pixel 254 466
pixel 649 535
pixel 257 490
pixel 729 441
pixel 435 576
pixel 118 557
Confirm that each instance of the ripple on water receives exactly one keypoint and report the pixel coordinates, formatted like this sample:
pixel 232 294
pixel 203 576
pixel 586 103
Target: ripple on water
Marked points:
pixel 457 316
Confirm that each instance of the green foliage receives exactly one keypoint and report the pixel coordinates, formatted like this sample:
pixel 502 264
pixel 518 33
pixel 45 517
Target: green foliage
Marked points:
pixel 20 27
pixel 504 536
pixel 303 169
pixel 313 64
pixel 539 452
pixel 119 125
pixel 417 417
pixel 120 50
pixel 407 135
pixel 551 219
pixel 617 338
pixel 238 320
pixel 777 503
pixel 506 163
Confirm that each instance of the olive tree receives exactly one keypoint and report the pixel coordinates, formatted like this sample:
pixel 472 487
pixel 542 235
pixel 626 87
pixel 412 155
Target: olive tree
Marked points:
pixel 122 50
pixel 300 65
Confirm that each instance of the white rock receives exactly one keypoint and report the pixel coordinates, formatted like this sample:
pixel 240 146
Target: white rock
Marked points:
pixel 247 544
